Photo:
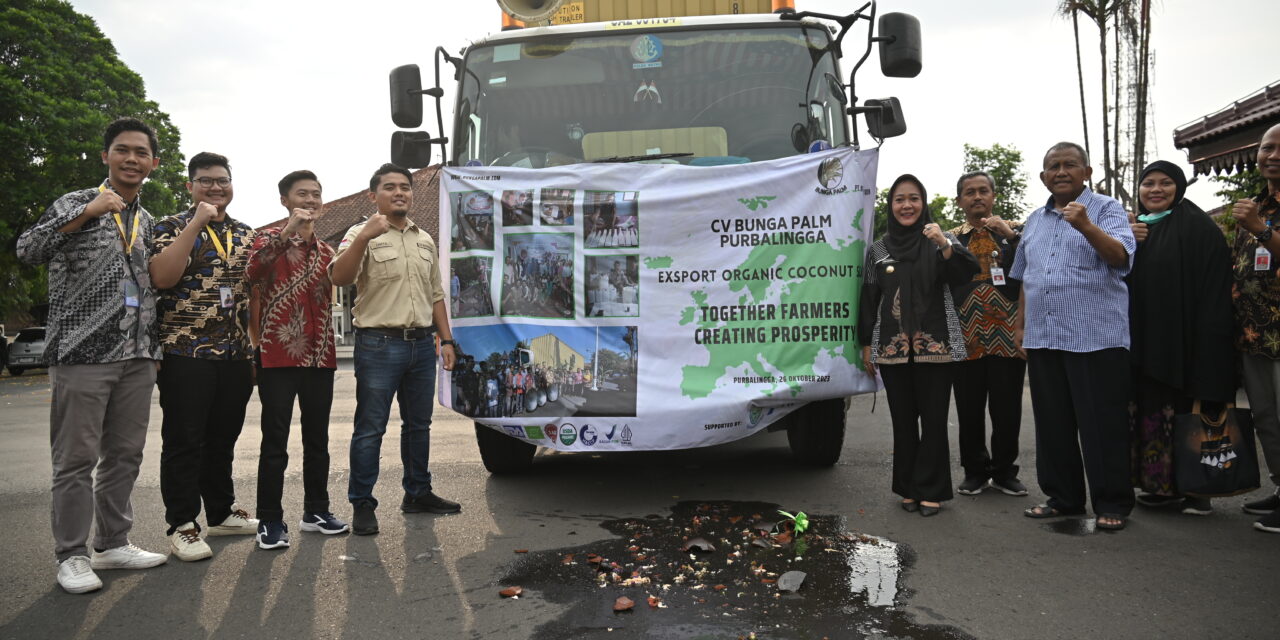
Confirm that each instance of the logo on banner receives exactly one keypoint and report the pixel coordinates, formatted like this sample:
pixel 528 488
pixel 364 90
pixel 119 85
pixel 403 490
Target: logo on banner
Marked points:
pixel 754 415
pixel 552 431
pixel 533 432
pixel 608 437
pixel 626 435
pixel 568 435
pixel 587 435
pixel 514 431
pixel 830 176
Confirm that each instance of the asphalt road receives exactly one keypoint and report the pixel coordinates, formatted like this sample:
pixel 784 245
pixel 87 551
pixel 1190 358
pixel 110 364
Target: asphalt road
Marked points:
pixel 979 569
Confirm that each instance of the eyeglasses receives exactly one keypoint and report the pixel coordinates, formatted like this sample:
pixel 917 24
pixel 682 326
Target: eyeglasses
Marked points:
pixel 209 182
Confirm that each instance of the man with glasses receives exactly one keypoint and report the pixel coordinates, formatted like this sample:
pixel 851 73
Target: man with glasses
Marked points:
pixel 207 375
pixel 102 352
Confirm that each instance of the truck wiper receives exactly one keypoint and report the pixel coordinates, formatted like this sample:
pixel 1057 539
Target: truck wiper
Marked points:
pixel 651 156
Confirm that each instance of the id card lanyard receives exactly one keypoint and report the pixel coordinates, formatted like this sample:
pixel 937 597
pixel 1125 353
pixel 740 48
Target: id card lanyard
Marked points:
pixel 1261 256
pixel 225 295
pixel 133 236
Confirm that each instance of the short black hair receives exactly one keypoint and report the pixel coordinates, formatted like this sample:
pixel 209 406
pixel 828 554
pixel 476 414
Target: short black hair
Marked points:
pixel 384 170
pixel 204 160
pixel 1063 146
pixel 971 175
pixel 121 125
pixel 287 182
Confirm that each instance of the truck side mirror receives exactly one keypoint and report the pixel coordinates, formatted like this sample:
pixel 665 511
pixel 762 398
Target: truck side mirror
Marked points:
pixel 884 118
pixel 899 38
pixel 412 149
pixel 406 97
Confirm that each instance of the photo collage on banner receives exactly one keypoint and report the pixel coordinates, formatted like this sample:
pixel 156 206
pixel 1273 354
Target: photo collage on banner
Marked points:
pixel 522 256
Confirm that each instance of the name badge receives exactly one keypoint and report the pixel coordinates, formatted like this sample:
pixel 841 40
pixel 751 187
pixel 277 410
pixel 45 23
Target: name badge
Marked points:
pixel 1261 260
pixel 997 275
pixel 132 293
pixel 227 297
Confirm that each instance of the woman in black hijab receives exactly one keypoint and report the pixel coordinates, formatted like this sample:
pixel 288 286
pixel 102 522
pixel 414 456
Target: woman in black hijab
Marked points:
pixel 1181 325
pixel 908 325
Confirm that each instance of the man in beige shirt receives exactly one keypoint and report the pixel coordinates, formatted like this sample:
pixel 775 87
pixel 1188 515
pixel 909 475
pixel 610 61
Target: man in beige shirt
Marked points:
pixel 399 306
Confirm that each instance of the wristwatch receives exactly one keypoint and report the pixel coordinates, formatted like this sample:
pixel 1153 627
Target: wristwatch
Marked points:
pixel 449 342
pixel 1263 235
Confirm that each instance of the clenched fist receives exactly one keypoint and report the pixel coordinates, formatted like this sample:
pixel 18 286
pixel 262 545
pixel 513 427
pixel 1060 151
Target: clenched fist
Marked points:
pixel 1139 229
pixel 375 226
pixel 204 213
pixel 1077 216
pixel 301 222
pixel 1246 214
pixel 107 201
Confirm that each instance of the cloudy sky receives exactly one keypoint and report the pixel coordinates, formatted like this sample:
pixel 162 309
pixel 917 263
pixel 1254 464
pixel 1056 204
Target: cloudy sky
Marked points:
pixel 280 85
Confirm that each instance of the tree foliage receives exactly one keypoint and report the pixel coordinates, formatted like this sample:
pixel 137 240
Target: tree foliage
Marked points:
pixel 1004 163
pixel 61 83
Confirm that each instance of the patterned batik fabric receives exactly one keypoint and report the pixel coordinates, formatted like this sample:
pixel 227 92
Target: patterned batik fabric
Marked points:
pixel 193 322
pixel 986 315
pixel 1256 294
pixel 940 338
pixel 1151 415
pixel 295 322
pixel 88 321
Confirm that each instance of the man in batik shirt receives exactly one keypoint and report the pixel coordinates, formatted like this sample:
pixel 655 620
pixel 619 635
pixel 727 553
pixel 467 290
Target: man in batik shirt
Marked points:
pixel 296 359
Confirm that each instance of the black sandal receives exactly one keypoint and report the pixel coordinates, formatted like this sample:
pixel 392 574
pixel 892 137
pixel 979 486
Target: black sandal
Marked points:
pixel 1042 511
pixel 1117 524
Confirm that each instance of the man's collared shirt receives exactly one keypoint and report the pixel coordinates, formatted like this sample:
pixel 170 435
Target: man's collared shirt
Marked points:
pixel 987 310
pixel 89 320
pixel 1075 301
pixel 295 320
pixel 1256 294
pixel 193 322
pixel 398 281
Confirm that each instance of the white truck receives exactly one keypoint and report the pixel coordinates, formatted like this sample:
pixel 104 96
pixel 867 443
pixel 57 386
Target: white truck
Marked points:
pixel 573 81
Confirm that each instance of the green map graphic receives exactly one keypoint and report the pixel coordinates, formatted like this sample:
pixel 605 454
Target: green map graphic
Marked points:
pixel 779 358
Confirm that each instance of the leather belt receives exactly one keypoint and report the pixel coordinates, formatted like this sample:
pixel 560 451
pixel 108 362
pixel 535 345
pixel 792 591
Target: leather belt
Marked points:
pixel 409 335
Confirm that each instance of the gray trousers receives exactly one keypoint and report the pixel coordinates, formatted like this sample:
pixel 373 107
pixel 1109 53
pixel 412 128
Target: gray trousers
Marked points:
pixel 1262 385
pixel 98 419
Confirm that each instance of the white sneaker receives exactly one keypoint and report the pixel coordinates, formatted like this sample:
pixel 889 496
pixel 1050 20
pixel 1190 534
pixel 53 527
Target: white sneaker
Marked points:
pixel 236 524
pixel 127 557
pixel 187 545
pixel 75 575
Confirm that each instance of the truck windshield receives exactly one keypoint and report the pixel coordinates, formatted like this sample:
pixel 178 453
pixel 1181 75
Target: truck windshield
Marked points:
pixel 725 95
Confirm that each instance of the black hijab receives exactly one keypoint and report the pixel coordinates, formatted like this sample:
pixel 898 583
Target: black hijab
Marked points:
pixel 916 255
pixel 1180 313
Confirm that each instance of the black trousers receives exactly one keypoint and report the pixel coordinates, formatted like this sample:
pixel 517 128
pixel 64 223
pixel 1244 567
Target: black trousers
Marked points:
pixel 277 389
pixel 203 403
pixel 993 382
pixel 1081 406
pixel 919 399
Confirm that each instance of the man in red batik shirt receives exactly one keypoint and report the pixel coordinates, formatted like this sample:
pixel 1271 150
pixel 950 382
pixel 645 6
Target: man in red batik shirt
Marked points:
pixel 295 359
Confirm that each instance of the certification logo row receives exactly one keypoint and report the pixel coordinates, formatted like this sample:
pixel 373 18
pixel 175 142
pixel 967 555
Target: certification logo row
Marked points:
pixel 568 434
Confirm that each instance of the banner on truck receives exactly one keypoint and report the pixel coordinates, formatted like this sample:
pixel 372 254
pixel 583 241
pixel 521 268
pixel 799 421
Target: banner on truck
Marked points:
pixel 654 306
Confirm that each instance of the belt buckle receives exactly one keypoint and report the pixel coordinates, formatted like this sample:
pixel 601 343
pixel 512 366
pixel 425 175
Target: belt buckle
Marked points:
pixel 407 334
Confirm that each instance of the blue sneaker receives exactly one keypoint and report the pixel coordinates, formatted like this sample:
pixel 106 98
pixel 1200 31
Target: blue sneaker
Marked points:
pixel 272 534
pixel 323 522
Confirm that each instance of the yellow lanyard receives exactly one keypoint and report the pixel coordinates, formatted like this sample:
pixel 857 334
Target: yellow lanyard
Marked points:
pixel 133 237
pixel 225 253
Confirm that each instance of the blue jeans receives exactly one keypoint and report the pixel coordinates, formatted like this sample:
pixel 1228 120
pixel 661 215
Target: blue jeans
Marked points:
pixel 387 367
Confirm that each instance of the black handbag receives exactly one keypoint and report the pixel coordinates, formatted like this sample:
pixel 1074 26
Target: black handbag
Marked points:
pixel 1215 457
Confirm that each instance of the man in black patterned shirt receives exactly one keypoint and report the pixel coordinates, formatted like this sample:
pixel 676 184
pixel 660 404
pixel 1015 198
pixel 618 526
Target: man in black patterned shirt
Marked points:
pixel 102 351
pixel 206 381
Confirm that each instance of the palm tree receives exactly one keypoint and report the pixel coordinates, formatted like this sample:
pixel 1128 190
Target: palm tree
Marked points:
pixel 1065 8
pixel 1100 12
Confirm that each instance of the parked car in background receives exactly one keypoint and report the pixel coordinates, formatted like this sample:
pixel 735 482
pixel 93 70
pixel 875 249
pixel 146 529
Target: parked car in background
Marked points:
pixel 4 346
pixel 27 351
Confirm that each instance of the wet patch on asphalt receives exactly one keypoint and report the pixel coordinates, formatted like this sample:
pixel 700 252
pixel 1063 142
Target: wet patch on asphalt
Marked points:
pixel 851 587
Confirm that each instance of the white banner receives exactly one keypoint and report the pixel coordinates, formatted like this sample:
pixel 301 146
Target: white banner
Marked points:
pixel 654 306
